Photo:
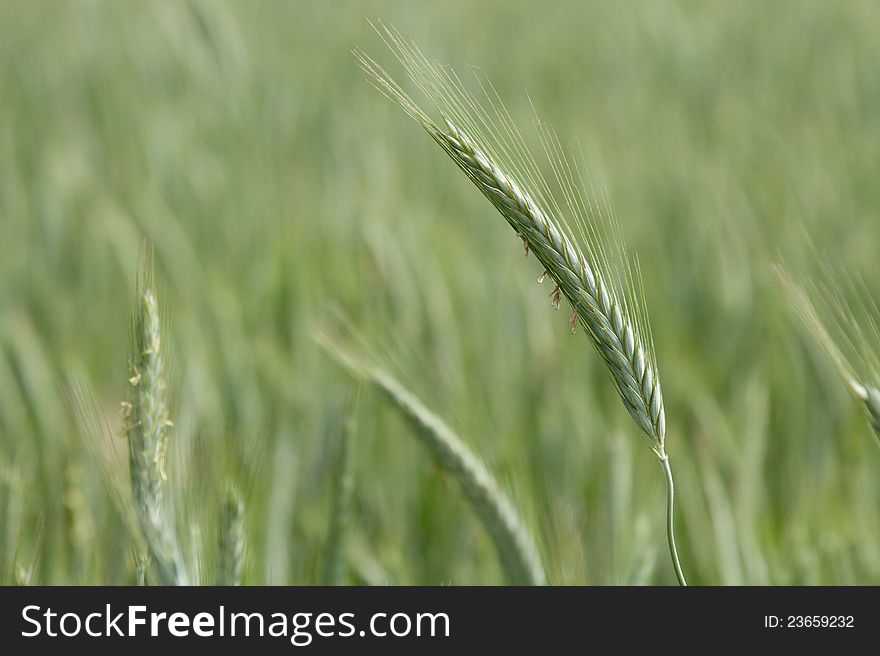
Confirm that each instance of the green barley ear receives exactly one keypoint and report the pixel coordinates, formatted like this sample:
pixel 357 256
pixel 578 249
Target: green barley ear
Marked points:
pixel 587 264
pixel 232 543
pixel 78 518
pixel 844 319
pixel 513 542
pixel 147 426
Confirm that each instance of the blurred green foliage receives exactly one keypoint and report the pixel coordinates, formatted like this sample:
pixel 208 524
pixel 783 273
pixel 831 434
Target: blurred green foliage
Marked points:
pixel 276 184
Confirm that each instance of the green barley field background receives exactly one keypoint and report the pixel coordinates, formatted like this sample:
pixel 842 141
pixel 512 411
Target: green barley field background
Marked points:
pixel 279 189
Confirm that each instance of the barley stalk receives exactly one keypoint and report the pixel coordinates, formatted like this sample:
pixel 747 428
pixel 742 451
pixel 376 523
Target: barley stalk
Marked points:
pixel 515 546
pixel 147 424
pixel 605 298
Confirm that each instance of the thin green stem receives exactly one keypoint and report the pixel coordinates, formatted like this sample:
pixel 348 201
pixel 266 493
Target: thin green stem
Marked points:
pixel 670 523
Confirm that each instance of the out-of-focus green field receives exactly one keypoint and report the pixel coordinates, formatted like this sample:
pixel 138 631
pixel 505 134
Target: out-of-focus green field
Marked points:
pixel 276 185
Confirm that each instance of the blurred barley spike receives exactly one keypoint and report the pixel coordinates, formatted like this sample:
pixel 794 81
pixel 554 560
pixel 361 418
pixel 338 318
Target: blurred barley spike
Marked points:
pixel 146 428
pixel 232 551
pixel 589 267
pixel 513 542
pixel 844 318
